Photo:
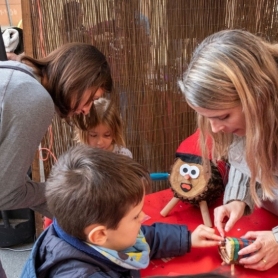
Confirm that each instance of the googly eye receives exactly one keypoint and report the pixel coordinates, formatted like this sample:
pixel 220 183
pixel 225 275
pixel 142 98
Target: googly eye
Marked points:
pixel 194 172
pixel 184 169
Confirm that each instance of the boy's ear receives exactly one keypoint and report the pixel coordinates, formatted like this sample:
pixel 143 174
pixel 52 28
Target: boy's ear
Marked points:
pixel 98 235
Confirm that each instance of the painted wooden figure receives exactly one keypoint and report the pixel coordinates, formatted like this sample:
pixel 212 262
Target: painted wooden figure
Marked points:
pixel 188 180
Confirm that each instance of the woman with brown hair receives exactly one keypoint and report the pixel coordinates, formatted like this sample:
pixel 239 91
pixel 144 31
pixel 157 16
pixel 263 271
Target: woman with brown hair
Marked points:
pixel 67 81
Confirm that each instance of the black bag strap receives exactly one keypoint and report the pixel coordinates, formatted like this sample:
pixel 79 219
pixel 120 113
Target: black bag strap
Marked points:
pixel 17 68
pixel 3 55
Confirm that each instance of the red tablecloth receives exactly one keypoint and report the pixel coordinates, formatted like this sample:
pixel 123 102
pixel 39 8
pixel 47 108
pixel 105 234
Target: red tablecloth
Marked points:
pixel 201 260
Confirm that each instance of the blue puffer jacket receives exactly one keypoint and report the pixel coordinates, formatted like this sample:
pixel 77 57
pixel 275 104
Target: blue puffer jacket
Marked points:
pixel 53 257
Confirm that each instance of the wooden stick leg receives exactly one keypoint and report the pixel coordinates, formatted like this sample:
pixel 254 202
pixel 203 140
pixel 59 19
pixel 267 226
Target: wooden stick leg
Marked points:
pixel 205 213
pixel 164 212
pixel 232 270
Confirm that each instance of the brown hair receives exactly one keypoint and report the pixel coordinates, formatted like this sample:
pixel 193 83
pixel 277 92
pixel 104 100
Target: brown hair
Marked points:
pixel 92 186
pixel 104 112
pixel 70 70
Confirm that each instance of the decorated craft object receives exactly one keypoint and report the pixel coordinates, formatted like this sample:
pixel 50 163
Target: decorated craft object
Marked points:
pixel 188 179
pixel 230 248
pixel 188 183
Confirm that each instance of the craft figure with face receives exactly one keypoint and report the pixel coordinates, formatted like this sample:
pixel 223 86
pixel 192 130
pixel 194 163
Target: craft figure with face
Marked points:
pixel 188 179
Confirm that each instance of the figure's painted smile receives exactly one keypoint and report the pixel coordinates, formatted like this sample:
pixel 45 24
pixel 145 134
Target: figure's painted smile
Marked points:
pixel 186 187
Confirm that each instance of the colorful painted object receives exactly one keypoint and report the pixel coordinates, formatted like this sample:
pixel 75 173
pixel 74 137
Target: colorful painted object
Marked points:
pixel 229 249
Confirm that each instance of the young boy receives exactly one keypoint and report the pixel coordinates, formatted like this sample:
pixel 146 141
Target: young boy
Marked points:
pixel 96 198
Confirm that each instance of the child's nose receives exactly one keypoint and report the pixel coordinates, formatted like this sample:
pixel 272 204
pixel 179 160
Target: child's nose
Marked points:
pixel 99 141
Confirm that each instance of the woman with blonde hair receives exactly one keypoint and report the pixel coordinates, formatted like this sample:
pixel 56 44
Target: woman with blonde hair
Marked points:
pixel 232 84
pixel 105 130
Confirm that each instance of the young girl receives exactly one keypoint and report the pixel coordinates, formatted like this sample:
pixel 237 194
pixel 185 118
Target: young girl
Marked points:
pixel 106 130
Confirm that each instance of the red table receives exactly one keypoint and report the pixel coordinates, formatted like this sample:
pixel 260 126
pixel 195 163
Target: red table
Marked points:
pixel 201 260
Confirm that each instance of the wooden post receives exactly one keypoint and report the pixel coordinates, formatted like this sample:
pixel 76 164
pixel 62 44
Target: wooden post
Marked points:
pixel 36 177
pixel 27 27
pixel 28 50
pixel 205 213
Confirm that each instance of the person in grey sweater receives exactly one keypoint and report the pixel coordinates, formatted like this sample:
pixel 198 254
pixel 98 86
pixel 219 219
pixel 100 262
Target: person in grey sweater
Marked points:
pixel 67 81
pixel 231 82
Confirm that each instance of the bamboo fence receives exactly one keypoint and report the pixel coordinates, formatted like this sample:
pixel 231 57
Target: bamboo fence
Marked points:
pixel 148 44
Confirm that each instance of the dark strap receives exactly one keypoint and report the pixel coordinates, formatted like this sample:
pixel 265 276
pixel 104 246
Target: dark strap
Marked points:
pixel 3 54
pixel 17 68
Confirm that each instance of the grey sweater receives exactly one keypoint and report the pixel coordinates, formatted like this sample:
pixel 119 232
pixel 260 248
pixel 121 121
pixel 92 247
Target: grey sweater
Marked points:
pixel 26 111
pixel 238 186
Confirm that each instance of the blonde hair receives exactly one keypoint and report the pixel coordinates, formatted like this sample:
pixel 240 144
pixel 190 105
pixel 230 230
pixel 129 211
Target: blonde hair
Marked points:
pixel 103 112
pixel 232 68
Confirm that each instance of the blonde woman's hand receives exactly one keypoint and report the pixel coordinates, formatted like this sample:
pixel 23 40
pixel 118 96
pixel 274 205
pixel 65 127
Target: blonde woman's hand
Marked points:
pixel 263 251
pixel 227 215
pixel 204 236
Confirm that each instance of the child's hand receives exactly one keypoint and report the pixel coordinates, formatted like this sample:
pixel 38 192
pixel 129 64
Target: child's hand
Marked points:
pixel 204 236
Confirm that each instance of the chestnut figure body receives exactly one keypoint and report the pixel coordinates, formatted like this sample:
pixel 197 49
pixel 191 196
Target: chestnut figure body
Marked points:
pixel 188 179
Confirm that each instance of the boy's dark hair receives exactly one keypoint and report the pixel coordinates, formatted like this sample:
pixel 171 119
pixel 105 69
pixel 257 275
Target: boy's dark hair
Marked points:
pixel 92 186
